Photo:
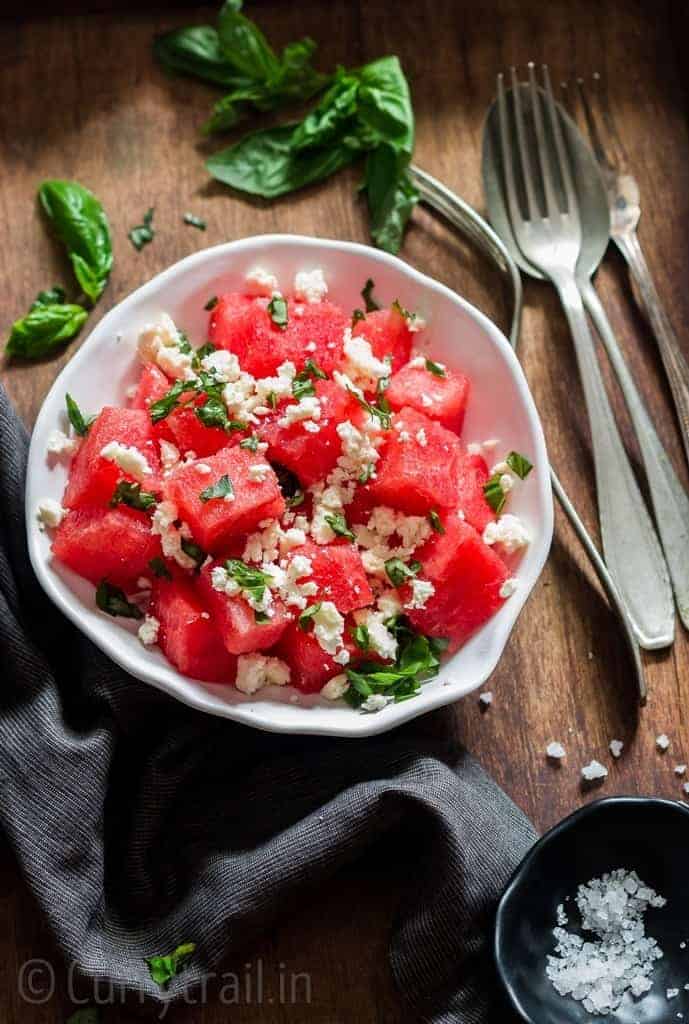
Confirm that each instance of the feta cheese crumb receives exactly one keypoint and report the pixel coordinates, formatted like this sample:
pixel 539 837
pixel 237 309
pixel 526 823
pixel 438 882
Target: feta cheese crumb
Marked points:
pixel 362 367
pixel 662 742
pixel 421 437
pixel 258 472
pixel 159 343
pixel 255 671
pixel 555 751
pixel 328 627
pixel 223 364
pixel 169 455
pixel 148 631
pixel 593 771
pixel 376 702
pixel 164 525
pixel 129 459
pixel 616 748
pixel 680 769
pixel 261 282
pixel 486 698
pixel 335 687
pixel 422 591
pixel 50 513
pixel 60 444
pixel 310 285
pixel 509 587
pixel 308 408
pixel 509 531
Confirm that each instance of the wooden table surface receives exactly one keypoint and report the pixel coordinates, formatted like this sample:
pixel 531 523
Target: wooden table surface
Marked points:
pixel 83 99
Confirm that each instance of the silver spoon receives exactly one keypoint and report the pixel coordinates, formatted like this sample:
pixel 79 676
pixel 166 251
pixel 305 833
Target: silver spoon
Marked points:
pixel 670 501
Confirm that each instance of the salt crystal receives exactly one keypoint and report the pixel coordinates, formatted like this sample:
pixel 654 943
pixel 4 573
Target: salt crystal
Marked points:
pixel 672 993
pixel 662 742
pixel 616 747
pixel 555 751
pixel 680 769
pixel 486 698
pixel 594 770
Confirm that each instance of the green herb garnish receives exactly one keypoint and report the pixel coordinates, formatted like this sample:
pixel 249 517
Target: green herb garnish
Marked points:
pixel 127 493
pixel 398 572
pixel 212 303
pixel 435 521
pixel 519 464
pixel 249 578
pixel 164 968
pixel 50 296
pixel 272 399
pixel 357 315
pixel 46 327
pixel 164 406
pixel 159 568
pixel 494 493
pixel 435 368
pixel 338 524
pixel 200 354
pixel 367 295
pixel 308 613
pixel 222 488
pixel 194 221
pixel 113 601
pixel 277 311
pixel 82 226
pixel 295 500
pixel 80 422
pixel 261 618
pixel 143 233
pixel 361 637
pixel 366 473
pixel 196 553
pixel 251 443
pixel 302 384
pixel 381 410
pixel 417 660
pixel 213 413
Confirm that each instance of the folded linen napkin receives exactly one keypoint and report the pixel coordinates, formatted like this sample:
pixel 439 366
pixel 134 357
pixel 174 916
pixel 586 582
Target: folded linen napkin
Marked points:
pixel 140 823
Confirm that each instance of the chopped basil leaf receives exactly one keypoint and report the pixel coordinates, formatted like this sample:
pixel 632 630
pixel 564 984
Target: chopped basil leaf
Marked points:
pixel 417 660
pixel 494 494
pixel 164 968
pixel 272 400
pixel 313 370
pixel 435 368
pixel 250 443
pixel 194 221
pixel 366 473
pixel 222 488
pixel 80 423
pixel 212 303
pixel 261 618
pixel 381 410
pixel 519 464
pixel 248 577
pixel 338 524
pixel 435 521
pixel 183 343
pixel 367 296
pixel 295 500
pixel 277 310
pixel 159 568
pixel 213 413
pixel 143 233
pixel 164 406
pixel 190 548
pixel 127 493
pixel 302 387
pixel 357 315
pixel 398 573
pixel 308 613
pixel 200 354
pixel 82 226
pixel 50 296
pixel 361 637
pixel 113 601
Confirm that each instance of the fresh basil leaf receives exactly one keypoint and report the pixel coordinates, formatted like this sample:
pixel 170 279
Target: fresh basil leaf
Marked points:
pixel 248 577
pixel 113 601
pixel 367 295
pixel 127 493
pixel 494 493
pixel 272 399
pixel 194 221
pixel 381 410
pixel 288 86
pixel 200 354
pixel 361 637
pixel 325 122
pixel 435 521
pixel 222 488
pixel 50 296
pixel 88 1015
pixel 164 968
pixel 213 413
pixel 195 51
pixel 245 46
pixel 212 303
pixel 196 553
pixel 44 329
pixel 250 443
pixel 277 311
pixel 435 368
pixel 159 568
pixel 519 464
pixel 80 422
pixel 266 164
pixel 164 406
pixel 302 388
pixel 398 573
pixel 391 196
pixel 308 613
pixel 338 524
pixel 82 226
pixel 143 233
pixel 312 369
pixel 357 315
pixel 417 660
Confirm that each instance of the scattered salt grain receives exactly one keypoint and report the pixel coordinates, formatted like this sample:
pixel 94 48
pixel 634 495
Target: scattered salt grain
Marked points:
pixel 486 699
pixel 662 742
pixel 685 787
pixel 555 751
pixel 594 770
pixel 616 747
pixel 680 769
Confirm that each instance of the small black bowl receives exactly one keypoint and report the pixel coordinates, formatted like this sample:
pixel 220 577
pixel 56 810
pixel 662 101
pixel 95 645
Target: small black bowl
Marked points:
pixel 643 834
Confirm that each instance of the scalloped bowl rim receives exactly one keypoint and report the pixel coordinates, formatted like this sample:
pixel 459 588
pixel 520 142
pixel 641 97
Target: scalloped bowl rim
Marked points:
pixel 280 715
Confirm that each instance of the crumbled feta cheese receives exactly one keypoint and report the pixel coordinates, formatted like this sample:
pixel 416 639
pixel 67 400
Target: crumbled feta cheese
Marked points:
pixel 662 742
pixel 361 366
pixel 310 285
pixel 308 408
pixel 279 386
pixel 258 472
pixel 616 748
pixel 129 459
pixel 376 702
pixel 422 591
pixel 374 538
pixel 555 751
pixel 506 482
pixel 261 282
pixel 148 631
pixel 50 513
pixel 255 671
pixel 382 641
pixel 163 524
pixel 223 364
pixel 594 770
pixel 421 437
pixel 291 538
pixel 169 455
pixel 418 362
pixel 328 626
pixel 223 582
pixel 203 469
pixel 509 531
pixel 159 344
pixel 416 323
pixel 59 444
pixel 680 769
pixel 404 435
pixel 473 448
pixel 389 604
pixel 509 587
pixel 335 687
pixel 342 657
pixel 486 698
pixel 240 398
pixel 671 993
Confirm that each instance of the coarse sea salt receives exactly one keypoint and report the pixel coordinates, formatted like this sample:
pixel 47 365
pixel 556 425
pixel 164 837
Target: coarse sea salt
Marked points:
pixel 616 956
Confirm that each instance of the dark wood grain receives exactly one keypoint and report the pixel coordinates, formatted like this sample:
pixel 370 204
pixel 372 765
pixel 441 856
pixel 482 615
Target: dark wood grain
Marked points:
pixel 82 98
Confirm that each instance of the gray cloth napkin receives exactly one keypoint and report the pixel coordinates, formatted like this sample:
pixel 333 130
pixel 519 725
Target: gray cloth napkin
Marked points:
pixel 139 823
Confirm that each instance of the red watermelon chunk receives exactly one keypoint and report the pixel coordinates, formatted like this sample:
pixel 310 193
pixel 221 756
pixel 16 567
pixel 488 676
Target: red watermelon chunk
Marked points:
pixel 92 479
pixel 236 620
pixel 471 500
pixel 215 521
pixel 441 398
pixel 311 456
pixel 188 636
pixel 310 666
pixel 467 576
pixel 243 325
pixel 107 543
pixel 418 468
pixel 388 334
pixel 339 573
pixel 191 435
pixel 153 384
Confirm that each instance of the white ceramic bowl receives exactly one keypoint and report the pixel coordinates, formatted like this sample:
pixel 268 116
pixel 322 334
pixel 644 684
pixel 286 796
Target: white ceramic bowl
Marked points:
pixel 457 334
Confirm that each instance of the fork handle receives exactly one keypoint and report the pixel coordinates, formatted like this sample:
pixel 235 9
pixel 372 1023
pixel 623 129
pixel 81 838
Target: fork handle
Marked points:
pixel 631 547
pixel 670 501
pixel 676 366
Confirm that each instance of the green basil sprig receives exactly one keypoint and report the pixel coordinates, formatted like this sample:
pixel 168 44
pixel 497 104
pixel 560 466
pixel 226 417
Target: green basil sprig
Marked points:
pixel 50 323
pixel 82 226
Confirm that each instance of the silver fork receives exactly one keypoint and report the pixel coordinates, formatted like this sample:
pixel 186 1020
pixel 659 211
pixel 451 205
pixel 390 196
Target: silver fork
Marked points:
pixel 548 232
pixel 625 211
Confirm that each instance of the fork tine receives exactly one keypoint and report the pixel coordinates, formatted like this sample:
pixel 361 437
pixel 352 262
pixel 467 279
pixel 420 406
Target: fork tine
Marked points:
pixel 506 152
pixel 552 207
pixel 560 148
pixel 591 126
pixel 524 156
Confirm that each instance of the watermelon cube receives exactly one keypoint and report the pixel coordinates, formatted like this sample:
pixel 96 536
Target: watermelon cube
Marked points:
pixel 388 333
pixel 92 479
pixel 153 384
pixel 244 326
pixel 107 543
pixel 339 574
pixel 236 620
pixel 191 435
pixel 442 398
pixel 311 456
pixel 255 495
pixel 472 473
pixel 310 666
pixel 418 468
pixel 467 576
pixel 188 636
